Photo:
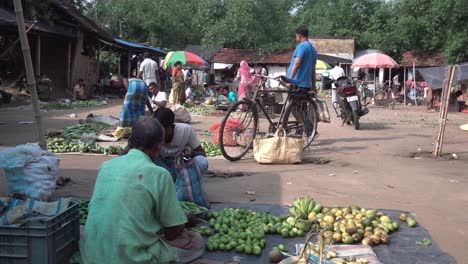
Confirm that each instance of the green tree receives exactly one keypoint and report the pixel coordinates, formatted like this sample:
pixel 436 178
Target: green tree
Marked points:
pixel 257 24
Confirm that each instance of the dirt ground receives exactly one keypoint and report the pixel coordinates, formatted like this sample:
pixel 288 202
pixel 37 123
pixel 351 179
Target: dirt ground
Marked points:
pixel 384 165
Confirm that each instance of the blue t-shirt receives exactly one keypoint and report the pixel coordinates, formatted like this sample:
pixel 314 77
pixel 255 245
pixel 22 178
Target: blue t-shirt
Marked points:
pixel 308 54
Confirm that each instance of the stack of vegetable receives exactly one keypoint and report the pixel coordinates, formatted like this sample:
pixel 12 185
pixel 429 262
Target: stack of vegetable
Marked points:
pixel 348 224
pixel 241 230
pixel 77 131
pixel 62 145
pixel 211 149
pixel 71 105
pixel 193 208
pixel 71 139
pixel 83 207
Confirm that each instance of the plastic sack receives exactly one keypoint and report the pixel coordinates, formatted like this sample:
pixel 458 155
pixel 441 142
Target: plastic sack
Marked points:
pixel 30 170
pixel 182 115
pixel 20 211
pixel 278 149
pixel 122 132
pixel 322 111
pixel 228 139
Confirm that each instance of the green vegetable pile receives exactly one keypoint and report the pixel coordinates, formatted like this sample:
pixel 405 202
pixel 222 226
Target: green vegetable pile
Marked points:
pixel 193 208
pixel 211 149
pixel 245 230
pixel 71 105
pixel 83 207
pixel 62 145
pixel 199 109
pixel 76 131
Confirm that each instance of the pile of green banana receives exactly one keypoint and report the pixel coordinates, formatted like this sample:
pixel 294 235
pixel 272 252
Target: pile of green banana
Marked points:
pixel 302 207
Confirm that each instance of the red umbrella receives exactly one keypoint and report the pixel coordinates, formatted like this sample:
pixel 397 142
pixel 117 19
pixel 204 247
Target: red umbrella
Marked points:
pixel 375 60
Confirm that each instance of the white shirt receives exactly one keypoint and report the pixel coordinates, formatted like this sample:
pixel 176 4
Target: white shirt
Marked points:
pixel 184 136
pixel 149 68
pixel 190 94
pixel 337 72
pixel 186 74
pixel 160 97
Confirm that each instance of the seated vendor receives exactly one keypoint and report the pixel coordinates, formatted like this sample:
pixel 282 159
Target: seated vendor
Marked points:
pixel 134 215
pixel 180 139
pixel 158 98
pixel 79 90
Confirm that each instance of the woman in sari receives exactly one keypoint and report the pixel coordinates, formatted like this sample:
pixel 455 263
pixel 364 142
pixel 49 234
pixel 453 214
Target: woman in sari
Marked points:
pixel 246 81
pixel 178 84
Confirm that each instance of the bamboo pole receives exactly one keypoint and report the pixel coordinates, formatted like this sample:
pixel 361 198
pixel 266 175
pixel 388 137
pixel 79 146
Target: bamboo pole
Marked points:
pixel 404 86
pixel 29 72
pixel 38 56
pixel 449 88
pixel 443 111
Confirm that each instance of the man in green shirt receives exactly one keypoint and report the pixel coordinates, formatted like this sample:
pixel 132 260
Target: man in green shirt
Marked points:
pixel 134 215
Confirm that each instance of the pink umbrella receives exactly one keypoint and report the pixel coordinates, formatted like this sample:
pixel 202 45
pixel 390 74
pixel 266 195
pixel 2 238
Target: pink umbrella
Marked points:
pixel 375 60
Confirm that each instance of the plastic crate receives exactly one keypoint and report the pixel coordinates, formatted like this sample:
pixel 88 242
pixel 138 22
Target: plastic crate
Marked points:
pixel 42 242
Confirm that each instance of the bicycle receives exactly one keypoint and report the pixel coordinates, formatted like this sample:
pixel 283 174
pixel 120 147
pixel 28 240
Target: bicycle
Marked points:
pixel 240 125
pixel 385 96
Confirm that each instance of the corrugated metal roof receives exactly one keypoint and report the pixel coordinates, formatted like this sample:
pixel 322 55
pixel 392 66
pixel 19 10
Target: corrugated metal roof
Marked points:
pixel 139 46
pixel 8 19
pixel 205 52
pixel 235 56
pixel 422 59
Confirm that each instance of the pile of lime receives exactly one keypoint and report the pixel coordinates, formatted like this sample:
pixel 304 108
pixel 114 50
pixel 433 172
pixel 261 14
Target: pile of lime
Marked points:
pixel 244 230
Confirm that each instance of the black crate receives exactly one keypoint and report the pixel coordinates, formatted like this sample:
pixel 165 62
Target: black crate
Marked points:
pixel 42 242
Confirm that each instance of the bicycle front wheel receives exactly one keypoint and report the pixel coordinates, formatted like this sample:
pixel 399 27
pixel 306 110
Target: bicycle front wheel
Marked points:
pixel 300 120
pixel 238 130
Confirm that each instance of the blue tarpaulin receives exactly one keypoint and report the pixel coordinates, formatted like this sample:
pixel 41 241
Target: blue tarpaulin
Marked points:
pixel 139 46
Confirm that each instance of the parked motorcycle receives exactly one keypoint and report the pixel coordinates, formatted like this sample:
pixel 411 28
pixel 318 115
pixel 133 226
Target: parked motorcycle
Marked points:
pixel 113 84
pixel 349 103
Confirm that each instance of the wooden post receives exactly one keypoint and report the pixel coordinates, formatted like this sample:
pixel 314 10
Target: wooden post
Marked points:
pixel 76 57
pixel 38 56
pixel 404 85
pixel 29 72
pixel 98 58
pixel 129 65
pixel 69 85
pixel 120 64
pixel 390 77
pixel 445 96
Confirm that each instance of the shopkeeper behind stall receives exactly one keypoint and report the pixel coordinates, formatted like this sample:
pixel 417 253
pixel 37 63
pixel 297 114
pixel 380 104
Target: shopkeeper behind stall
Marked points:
pixel 134 215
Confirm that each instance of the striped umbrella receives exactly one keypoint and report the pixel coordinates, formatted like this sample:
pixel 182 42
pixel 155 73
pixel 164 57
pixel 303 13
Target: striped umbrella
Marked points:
pixel 321 65
pixel 188 59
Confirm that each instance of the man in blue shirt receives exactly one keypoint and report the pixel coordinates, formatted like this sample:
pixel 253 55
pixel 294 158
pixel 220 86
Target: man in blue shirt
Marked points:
pixel 302 67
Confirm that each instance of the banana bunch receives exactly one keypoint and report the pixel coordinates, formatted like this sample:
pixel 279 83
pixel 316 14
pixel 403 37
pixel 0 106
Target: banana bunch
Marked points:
pixel 302 207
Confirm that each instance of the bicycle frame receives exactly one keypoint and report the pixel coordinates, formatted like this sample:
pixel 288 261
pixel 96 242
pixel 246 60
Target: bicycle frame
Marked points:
pixel 256 101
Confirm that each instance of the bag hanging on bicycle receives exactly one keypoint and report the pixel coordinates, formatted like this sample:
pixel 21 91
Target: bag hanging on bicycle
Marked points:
pixel 322 111
pixel 278 149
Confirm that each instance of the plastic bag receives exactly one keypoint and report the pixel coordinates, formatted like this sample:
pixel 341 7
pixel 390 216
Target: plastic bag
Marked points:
pixel 228 139
pixel 30 170
pixel 182 115
pixel 322 111
pixel 278 149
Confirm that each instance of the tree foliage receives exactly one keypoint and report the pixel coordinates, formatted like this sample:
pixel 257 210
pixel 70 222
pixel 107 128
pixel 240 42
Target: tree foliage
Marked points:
pixel 392 26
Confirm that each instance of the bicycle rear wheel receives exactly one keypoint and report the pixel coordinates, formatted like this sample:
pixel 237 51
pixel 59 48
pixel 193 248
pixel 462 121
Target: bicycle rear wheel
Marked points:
pixel 300 119
pixel 238 130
